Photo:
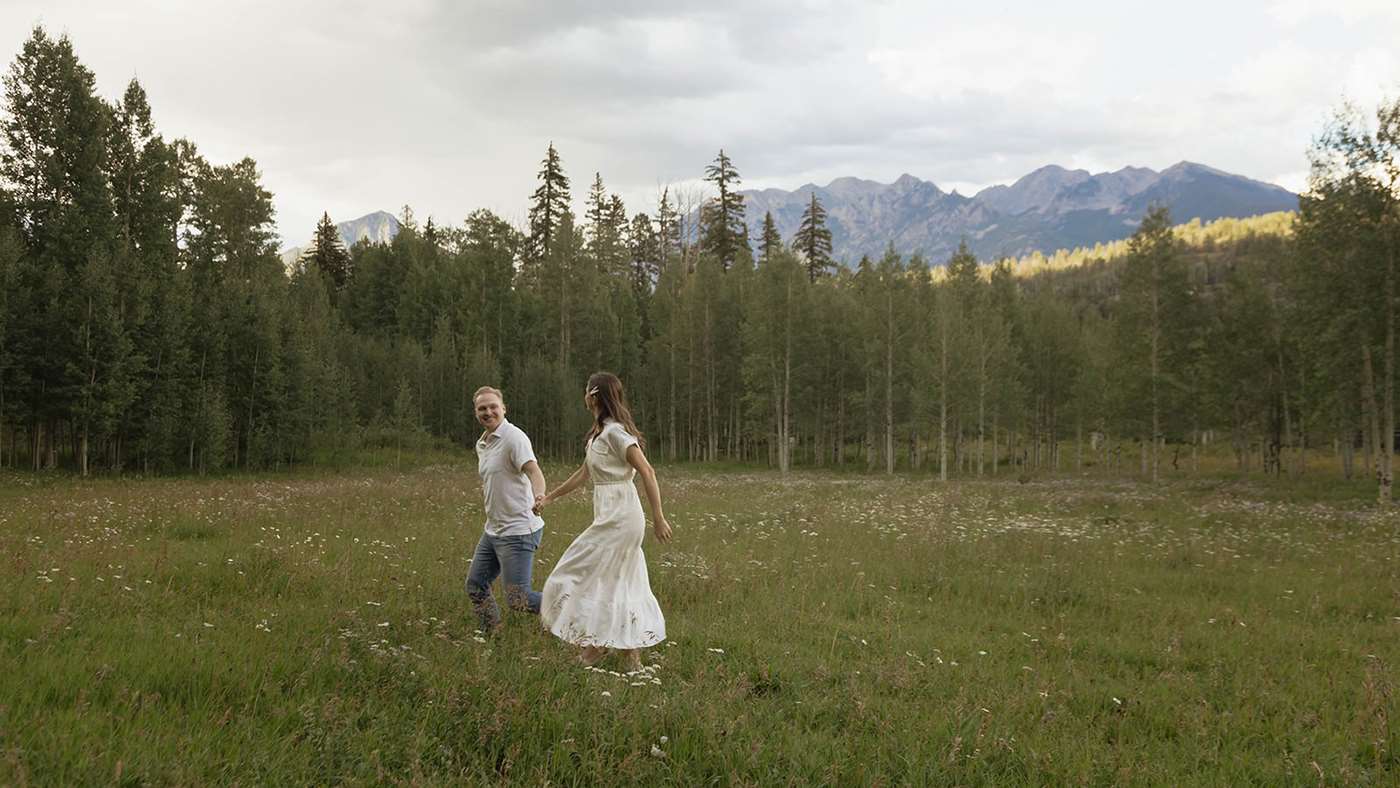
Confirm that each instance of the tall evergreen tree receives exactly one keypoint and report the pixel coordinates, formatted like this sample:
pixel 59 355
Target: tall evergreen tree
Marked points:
pixel 668 228
pixel 595 211
pixel 619 261
pixel 238 283
pixel 645 246
pixel 488 249
pixel 771 242
pixel 144 175
pixel 813 240
pixel 53 163
pixel 548 206
pixel 328 253
pixel 55 150
pixel 723 232
pixel 165 404
pixel 130 132
pixel 606 231
pixel 103 364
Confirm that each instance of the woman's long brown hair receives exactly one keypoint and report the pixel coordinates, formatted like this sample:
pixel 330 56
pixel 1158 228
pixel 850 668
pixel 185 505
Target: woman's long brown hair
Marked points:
pixel 612 404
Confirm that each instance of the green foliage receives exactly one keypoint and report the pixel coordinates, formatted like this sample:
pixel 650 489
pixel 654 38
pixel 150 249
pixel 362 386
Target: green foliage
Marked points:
pixel 145 307
pixel 548 208
pixel 770 242
pixel 328 253
pixel 813 240
pixel 723 231
pixel 54 155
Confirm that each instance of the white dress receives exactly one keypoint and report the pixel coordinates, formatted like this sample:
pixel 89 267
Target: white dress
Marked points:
pixel 598 593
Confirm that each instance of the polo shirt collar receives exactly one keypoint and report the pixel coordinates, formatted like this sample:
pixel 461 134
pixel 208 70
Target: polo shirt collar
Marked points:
pixel 498 432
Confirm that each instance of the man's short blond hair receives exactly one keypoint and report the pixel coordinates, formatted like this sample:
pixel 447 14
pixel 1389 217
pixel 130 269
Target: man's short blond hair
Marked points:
pixel 489 390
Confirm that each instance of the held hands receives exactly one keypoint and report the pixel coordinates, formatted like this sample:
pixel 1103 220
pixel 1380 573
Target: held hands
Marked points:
pixel 540 502
pixel 662 529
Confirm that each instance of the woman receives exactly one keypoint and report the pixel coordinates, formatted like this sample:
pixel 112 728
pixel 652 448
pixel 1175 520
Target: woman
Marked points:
pixel 598 597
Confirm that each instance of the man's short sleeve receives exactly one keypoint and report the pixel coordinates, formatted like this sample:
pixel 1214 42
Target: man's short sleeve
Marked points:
pixel 521 451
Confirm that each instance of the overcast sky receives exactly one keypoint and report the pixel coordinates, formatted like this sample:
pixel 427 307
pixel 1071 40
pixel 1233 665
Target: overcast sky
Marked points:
pixel 351 107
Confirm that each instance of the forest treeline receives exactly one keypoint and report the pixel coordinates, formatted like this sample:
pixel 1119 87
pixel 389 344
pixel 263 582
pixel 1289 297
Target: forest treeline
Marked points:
pixel 147 323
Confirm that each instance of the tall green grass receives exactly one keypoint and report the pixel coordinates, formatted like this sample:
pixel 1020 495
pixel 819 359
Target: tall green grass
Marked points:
pixel 824 629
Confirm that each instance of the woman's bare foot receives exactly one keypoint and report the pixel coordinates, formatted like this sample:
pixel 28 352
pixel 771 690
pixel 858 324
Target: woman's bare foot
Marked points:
pixel 591 655
pixel 632 659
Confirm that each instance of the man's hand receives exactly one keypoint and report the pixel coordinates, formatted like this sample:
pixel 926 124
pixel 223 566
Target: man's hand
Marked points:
pixel 532 472
pixel 540 501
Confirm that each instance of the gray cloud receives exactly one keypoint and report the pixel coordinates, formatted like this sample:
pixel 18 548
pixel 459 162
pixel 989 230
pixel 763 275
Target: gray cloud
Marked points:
pixel 355 106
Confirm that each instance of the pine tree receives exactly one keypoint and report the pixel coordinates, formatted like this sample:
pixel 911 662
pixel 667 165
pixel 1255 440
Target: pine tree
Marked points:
pixel 595 212
pixel 53 164
pixel 488 249
pixel 723 232
pixel 550 204
pixel 162 407
pixel 566 283
pixel 144 174
pixel 102 365
pixel 239 284
pixel 668 229
pixel 130 132
pixel 771 242
pixel 55 149
pixel 813 240
pixel 617 224
pixel 606 230
pixel 328 253
pixel 644 243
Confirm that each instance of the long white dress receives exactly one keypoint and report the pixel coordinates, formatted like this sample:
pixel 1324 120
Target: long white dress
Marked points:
pixel 599 593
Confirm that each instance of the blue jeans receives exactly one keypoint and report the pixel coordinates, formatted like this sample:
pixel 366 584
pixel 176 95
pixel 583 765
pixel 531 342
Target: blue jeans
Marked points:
pixel 512 557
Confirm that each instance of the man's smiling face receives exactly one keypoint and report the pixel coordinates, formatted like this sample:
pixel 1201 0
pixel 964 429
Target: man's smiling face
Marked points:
pixel 490 411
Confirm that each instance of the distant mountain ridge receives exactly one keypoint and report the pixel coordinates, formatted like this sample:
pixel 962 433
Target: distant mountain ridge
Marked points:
pixel 1051 208
pixel 377 227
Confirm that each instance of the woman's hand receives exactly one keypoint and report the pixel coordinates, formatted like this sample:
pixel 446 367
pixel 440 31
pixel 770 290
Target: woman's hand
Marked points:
pixel 662 529
pixel 541 501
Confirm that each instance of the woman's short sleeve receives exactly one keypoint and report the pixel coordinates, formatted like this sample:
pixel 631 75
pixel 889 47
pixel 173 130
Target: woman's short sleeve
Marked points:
pixel 620 439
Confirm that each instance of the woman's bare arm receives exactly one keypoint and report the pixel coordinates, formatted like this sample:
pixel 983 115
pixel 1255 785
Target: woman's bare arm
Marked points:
pixel 638 460
pixel 578 477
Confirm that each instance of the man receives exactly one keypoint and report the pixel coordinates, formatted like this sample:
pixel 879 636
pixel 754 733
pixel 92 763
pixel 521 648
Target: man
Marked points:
pixel 512 484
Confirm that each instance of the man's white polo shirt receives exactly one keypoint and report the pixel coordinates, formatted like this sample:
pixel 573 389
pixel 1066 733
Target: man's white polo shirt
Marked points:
pixel 509 497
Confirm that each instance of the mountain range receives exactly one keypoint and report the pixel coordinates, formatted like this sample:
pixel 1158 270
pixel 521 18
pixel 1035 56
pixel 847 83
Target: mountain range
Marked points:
pixel 377 227
pixel 1051 208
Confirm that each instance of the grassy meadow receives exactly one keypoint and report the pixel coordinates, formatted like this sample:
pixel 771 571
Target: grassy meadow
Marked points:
pixel 827 628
